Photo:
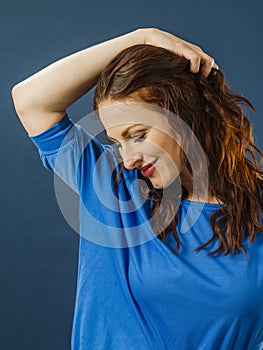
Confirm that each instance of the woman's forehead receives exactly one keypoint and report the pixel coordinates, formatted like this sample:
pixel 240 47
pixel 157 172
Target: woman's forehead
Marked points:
pixel 126 114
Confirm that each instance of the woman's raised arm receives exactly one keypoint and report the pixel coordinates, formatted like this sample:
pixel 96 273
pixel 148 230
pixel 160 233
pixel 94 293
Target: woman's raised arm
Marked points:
pixel 42 99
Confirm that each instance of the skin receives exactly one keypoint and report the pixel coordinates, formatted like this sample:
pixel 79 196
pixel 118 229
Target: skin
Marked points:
pixel 144 137
pixel 42 99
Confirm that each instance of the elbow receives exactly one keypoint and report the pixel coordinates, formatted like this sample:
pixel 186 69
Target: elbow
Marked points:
pixel 21 98
pixel 16 91
pixel 17 96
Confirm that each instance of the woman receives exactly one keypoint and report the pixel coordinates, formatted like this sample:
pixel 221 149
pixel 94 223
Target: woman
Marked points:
pixel 169 208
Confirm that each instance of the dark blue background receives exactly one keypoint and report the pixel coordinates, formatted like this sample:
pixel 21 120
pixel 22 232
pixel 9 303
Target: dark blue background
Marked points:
pixel 39 250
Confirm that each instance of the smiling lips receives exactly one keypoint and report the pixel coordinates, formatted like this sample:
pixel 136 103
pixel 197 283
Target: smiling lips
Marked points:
pixel 148 169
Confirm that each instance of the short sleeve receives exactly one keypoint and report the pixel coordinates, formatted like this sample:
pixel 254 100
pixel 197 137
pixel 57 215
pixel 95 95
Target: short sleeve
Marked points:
pixel 110 212
pixel 69 151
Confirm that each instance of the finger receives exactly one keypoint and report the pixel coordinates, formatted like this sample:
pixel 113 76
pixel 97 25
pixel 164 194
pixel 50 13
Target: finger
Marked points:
pixel 216 66
pixel 195 61
pixel 207 63
pixel 192 56
pixel 198 59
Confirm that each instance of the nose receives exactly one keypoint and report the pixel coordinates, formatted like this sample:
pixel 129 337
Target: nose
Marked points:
pixel 131 157
pixel 132 163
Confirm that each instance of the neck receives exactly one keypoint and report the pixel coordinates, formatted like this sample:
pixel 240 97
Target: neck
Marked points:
pixel 202 195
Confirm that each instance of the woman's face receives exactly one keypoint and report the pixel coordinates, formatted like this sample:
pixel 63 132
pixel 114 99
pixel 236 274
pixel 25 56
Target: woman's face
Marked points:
pixel 146 140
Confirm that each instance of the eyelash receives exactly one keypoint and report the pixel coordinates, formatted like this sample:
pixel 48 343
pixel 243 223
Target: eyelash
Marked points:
pixel 138 139
pixel 141 138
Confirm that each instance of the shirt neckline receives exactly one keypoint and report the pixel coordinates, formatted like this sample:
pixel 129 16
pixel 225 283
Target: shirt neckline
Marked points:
pixel 197 204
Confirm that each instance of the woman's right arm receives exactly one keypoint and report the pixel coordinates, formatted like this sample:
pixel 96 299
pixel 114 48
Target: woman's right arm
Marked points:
pixel 42 99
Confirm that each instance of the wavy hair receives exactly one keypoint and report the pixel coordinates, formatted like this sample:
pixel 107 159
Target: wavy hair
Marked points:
pixel 150 74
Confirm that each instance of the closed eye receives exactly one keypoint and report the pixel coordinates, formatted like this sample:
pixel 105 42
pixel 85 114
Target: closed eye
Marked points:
pixel 140 138
pixel 135 139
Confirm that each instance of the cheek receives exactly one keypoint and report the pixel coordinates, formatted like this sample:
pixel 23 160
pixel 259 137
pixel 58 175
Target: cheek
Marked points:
pixel 153 150
pixel 156 145
pixel 171 155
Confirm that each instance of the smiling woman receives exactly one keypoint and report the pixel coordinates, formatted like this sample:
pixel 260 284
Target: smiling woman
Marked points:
pixel 166 210
pixel 149 147
pixel 208 108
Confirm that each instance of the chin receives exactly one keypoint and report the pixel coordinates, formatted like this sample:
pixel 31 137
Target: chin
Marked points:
pixel 162 184
pixel 157 184
pixel 158 187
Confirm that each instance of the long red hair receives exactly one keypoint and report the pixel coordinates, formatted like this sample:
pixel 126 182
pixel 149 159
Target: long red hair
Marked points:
pixel 154 75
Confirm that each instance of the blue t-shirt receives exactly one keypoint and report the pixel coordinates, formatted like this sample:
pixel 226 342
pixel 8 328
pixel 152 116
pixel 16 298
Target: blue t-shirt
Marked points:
pixel 133 292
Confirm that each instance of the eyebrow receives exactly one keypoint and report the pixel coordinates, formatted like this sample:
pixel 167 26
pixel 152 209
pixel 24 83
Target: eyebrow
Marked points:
pixel 126 133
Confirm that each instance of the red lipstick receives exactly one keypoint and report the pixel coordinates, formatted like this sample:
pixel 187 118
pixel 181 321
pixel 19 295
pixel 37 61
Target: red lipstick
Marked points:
pixel 148 169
